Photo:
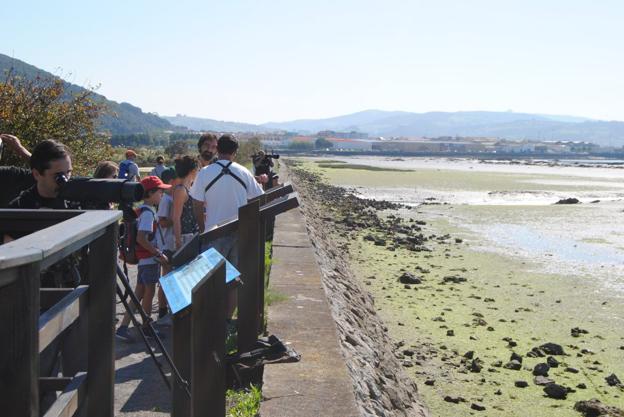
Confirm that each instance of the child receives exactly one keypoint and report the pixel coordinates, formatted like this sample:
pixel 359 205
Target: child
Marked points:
pixel 165 221
pixel 150 256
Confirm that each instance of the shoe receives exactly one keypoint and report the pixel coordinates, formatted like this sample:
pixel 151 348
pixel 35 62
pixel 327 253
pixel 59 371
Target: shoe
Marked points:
pixel 123 334
pixel 165 321
pixel 150 335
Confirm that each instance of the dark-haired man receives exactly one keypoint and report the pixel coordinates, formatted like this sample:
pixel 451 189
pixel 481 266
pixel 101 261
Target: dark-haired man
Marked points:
pixel 221 188
pixel 207 148
pixel 49 160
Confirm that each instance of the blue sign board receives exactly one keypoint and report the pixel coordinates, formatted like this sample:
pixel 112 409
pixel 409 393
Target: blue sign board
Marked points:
pixel 179 284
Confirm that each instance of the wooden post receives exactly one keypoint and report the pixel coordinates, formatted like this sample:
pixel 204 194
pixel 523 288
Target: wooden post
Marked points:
pixel 19 341
pixel 101 344
pixel 208 345
pixel 249 234
pixel 261 267
pixel 181 403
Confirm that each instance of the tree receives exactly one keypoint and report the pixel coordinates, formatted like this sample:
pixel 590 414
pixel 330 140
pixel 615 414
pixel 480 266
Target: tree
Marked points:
pixel 322 143
pixel 301 146
pixel 246 149
pixel 40 108
pixel 177 148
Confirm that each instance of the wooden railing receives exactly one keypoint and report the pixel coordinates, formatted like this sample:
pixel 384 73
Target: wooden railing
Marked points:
pixel 77 321
pixel 199 331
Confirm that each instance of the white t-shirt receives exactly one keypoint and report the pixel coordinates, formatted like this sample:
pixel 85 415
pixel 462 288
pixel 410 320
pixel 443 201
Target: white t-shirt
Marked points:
pixel 165 209
pixel 145 223
pixel 226 195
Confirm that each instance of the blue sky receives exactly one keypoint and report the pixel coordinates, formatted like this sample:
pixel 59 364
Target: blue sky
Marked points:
pixel 259 61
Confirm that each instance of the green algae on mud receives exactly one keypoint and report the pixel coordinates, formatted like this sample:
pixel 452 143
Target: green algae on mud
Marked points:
pixel 440 179
pixel 503 298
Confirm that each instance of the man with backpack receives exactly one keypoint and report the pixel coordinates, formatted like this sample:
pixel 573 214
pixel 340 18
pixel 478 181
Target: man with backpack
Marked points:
pixel 223 187
pixel 128 169
pixel 149 255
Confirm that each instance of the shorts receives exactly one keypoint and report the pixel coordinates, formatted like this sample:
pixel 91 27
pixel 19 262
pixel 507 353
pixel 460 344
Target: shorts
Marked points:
pixel 148 274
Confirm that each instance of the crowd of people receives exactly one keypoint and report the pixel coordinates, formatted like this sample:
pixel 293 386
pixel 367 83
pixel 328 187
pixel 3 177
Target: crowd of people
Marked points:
pixel 193 195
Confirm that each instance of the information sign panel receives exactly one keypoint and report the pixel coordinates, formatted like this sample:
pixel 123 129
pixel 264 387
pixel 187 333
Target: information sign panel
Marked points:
pixel 179 284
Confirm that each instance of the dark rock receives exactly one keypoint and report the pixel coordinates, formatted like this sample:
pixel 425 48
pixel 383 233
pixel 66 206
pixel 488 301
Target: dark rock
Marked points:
pixel 514 365
pixel 497 363
pixel 570 200
pixel 576 332
pixel 469 354
pixel 581 386
pixel 408 352
pixel 455 279
pixel 450 333
pixel 552 362
pixel 613 380
pixel 571 370
pixel 430 382
pixel 454 400
pixel 476 365
pixel 594 408
pixel 408 278
pixel 477 407
pixel 542 380
pixel 521 384
pixel 552 349
pixel 556 391
pixel 515 357
pixel 541 369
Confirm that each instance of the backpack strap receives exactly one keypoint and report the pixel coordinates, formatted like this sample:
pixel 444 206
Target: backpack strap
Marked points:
pixel 225 171
pixel 141 210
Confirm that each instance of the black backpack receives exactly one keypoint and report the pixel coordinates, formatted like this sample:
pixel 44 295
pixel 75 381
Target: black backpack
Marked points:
pixel 225 171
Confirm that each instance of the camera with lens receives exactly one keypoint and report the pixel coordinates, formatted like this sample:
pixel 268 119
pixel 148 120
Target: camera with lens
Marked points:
pixel 99 190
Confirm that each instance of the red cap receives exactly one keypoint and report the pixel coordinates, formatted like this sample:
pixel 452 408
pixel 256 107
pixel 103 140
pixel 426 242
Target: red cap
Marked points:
pixel 151 182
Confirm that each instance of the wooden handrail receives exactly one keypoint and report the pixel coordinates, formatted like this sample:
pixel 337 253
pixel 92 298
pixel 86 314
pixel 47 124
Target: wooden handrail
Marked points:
pixel 60 316
pixel 53 243
pixel 71 398
pixel 192 248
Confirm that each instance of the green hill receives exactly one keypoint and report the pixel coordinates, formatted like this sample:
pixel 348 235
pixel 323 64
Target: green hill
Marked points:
pixel 122 118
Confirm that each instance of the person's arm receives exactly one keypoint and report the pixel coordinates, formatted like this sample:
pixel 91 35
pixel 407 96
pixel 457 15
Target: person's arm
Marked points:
pixel 179 199
pixel 165 222
pixel 253 188
pixel 13 143
pixel 198 212
pixel 144 242
pixel 133 170
pixel 164 213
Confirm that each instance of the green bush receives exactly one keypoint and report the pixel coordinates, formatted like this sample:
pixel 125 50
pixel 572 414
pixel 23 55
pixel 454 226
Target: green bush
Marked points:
pixel 40 108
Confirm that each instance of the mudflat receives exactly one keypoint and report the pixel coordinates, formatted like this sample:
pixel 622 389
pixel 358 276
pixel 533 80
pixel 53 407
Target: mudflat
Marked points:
pixel 498 299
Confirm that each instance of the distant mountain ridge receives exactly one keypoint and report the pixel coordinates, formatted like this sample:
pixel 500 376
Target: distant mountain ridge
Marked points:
pixel 508 125
pixel 201 124
pixel 123 118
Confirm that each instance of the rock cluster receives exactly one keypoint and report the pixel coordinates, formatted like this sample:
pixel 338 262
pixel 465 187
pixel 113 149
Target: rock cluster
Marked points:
pixel 380 384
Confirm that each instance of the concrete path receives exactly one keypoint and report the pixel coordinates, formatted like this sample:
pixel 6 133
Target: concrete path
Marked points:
pixel 319 384
pixel 139 388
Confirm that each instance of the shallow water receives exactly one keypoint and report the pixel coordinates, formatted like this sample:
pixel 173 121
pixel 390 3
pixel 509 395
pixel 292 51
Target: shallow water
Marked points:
pixel 509 209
